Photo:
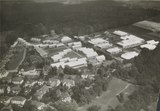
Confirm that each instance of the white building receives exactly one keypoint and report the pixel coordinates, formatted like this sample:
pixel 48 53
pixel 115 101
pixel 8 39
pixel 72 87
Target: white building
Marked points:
pixel 31 73
pixel 114 50
pixel 152 42
pixel 89 52
pixel 50 42
pixel 120 33
pixel 17 80
pixel 68 83
pixel 74 64
pixel 100 58
pixel 18 100
pixel 104 45
pixel 66 39
pixel 132 41
pixel 59 45
pixel 23 42
pixel 35 40
pixel 97 41
pixel 2 90
pixel 54 82
pixel 129 55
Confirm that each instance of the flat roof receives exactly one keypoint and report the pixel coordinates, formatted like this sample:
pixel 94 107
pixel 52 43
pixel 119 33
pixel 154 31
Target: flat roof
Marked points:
pixel 148 46
pixel 129 55
pixel 114 50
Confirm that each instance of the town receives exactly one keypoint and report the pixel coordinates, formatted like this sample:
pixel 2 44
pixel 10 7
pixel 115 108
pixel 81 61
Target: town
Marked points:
pixel 49 71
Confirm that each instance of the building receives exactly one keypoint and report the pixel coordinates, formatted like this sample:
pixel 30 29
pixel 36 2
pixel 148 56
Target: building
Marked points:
pixel 88 52
pixel 5 100
pixel 40 82
pixel 131 41
pixel 41 92
pixel 30 74
pixel 97 41
pixel 100 58
pixel 17 80
pixel 114 50
pixel 50 42
pixel 54 82
pixel 65 97
pixel 41 51
pixel 151 44
pixel 35 40
pixel 74 64
pixel 39 105
pixel 148 46
pixel 66 39
pixel 129 55
pixel 104 45
pixel 2 89
pixel 120 33
pixel 24 42
pixel 68 83
pixel 15 90
pixel 30 83
pixel 18 100
pixel 7 108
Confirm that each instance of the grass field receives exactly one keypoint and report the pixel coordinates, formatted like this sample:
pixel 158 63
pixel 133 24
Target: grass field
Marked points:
pixel 72 55
pixel 54 51
pixel 109 97
pixel 134 30
pixel 15 61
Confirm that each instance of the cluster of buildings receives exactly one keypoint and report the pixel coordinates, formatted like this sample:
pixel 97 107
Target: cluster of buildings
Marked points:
pixel 151 44
pixel 100 42
pixel 130 41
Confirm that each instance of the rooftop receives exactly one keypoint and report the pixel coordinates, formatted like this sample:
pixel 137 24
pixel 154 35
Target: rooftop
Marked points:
pixel 129 55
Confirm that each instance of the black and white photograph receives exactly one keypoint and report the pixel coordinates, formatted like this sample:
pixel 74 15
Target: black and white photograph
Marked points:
pixel 79 55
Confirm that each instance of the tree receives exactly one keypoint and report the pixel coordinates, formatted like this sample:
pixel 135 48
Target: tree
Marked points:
pixel 94 108
pixel 66 106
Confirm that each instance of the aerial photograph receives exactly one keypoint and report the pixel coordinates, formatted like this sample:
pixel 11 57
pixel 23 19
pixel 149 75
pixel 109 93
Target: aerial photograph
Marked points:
pixel 79 55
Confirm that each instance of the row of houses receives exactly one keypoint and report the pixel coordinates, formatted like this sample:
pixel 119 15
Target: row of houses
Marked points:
pixel 17 100
pixel 74 64
pixel 60 55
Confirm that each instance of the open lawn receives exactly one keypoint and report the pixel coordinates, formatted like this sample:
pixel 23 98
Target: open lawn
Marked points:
pixel 72 55
pixel 134 30
pixel 109 97
pixel 15 60
pixel 54 51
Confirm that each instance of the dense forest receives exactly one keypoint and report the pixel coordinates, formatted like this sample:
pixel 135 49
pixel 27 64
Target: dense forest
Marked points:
pixel 71 19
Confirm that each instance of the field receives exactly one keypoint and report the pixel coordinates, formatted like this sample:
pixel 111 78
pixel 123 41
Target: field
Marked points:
pixel 15 61
pixel 134 30
pixel 54 51
pixel 108 98
pixel 72 55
